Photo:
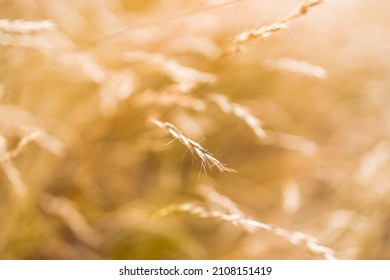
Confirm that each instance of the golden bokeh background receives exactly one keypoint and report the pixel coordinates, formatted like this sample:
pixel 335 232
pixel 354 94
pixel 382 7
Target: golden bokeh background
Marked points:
pixel 85 173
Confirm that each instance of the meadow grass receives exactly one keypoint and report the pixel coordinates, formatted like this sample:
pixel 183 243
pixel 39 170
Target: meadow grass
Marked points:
pixel 114 114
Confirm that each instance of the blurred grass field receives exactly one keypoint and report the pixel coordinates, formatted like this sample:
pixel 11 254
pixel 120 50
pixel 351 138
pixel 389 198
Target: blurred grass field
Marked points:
pixel 112 112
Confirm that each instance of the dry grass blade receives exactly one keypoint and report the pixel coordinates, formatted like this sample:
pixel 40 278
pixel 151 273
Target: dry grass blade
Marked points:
pixel 116 88
pixel 67 212
pixel 297 66
pixel 12 173
pixel 249 224
pixel 240 112
pixel 186 77
pixel 205 156
pixel 167 98
pixel 292 142
pixel 269 30
pixel 215 198
pixel 15 178
pixel 8 156
pixel 372 162
pixel 17 122
pixel 24 27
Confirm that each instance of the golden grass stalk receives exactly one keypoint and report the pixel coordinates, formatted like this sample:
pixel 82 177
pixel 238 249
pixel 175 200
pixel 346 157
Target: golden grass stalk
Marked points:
pixel 187 78
pixel 67 212
pixel 6 157
pixel 17 122
pixel 297 66
pixel 267 31
pixel 10 171
pixel 207 159
pixel 10 155
pixel 20 26
pixel 372 162
pixel 281 139
pixel 117 87
pixel 240 112
pixel 251 225
pixel 169 97
pixel 215 198
pixel 14 176
pixel 85 65
pixel 292 142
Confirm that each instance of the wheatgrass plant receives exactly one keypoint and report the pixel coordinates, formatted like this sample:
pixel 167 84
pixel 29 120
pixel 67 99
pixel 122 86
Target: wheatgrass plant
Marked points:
pixel 106 108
